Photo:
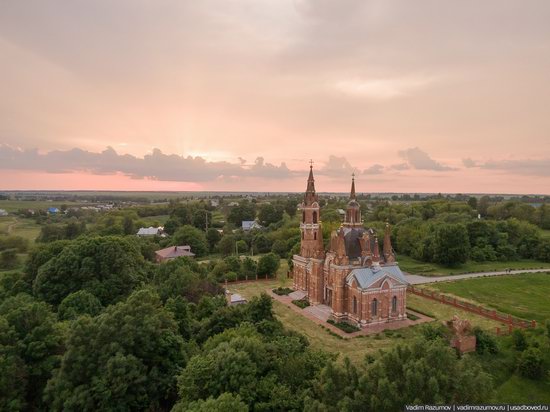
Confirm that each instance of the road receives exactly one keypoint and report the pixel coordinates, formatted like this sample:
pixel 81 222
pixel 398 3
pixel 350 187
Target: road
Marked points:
pixel 419 279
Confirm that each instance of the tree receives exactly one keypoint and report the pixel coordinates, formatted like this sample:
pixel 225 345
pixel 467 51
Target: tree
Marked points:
pixel 472 202
pixel 108 267
pixel 128 357
pixel 128 226
pixel 270 214
pixel 189 235
pixel 280 248
pixel 248 268
pixel 244 211
pixel 225 402
pixel 531 364
pixel 212 237
pixel 269 264
pixel 8 259
pixel 421 372
pixel 291 207
pixel 226 245
pixel 35 341
pixel 77 304
pixel 242 246
pixel 483 205
pixel 451 244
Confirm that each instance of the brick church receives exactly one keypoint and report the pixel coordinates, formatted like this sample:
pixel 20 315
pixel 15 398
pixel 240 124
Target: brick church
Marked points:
pixel 360 285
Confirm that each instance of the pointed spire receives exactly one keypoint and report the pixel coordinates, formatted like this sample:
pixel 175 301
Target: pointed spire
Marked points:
pixel 388 250
pixel 352 193
pixel 310 195
pixel 376 254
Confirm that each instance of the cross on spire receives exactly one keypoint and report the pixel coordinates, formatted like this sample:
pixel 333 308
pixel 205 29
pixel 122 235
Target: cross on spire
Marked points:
pixel 310 163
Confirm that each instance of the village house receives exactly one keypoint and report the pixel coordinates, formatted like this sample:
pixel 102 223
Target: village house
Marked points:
pixel 248 225
pixel 173 252
pixel 150 231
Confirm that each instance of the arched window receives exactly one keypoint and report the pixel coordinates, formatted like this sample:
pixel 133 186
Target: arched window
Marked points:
pixel 354 305
pixel 304 216
pixel 314 235
pixel 302 235
pixel 394 304
pixel 374 307
pixel 314 216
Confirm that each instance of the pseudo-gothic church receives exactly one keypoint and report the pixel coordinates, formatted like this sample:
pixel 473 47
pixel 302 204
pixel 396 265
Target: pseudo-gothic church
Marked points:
pixel 361 285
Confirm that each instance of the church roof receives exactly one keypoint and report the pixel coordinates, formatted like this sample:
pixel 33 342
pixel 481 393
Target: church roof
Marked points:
pixel 368 276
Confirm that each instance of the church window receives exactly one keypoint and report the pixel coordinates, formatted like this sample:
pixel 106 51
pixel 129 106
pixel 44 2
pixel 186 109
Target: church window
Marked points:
pixel 394 304
pixel 374 308
pixel 314 217
pixel 354 305
pixel 304 216
pixel 302 235
pixel 314 235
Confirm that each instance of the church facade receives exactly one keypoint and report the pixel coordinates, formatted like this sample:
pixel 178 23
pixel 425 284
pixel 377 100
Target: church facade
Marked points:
pixel 361 285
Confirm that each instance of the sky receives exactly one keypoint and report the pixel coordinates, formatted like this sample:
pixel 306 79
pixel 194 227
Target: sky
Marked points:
pixel 411 96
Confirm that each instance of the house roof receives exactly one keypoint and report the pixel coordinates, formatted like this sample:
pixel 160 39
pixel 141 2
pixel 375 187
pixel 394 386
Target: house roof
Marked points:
pixel 175 251
pixel 149 231
pixel 366 277
pixel 250 224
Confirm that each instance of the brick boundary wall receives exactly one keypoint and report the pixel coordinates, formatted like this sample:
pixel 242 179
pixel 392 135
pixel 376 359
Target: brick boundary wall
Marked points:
pixel 511 321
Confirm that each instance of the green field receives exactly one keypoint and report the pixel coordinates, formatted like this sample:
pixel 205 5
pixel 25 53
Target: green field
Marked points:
pixel 27 228
pixel 525 296
pixel 545 234
pixel 417 267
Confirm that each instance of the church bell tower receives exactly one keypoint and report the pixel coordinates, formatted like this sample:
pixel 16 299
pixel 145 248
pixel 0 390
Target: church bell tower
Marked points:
pixel 310 226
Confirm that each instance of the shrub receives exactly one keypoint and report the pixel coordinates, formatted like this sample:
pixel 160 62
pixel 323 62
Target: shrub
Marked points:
pixel 282 291
pixel 346 327
pixel 301 303
pixel 412 317
pixel 520 341
pixel 485 343
pixel 531 364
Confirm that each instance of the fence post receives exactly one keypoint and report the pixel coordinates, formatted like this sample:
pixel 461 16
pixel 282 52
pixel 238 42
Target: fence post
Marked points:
pixel 533 324
pixel 498 331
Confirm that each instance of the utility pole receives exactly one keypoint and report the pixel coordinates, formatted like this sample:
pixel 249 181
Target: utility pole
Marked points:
pixel 206 214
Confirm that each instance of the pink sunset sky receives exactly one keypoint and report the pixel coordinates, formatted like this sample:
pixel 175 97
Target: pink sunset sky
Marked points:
pixel 412 96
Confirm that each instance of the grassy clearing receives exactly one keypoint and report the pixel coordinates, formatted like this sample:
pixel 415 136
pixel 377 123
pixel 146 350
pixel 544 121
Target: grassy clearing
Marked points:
pixel 159 220
pixel 417 267
pixel 443 312
pixel 12 225
pixel 545 234
pixel 525 296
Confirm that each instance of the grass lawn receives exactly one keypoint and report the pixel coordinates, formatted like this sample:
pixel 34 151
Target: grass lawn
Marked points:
pixel 525 296
pixel 444 312
pixel 545 234
pixel 154 220
pixel 519 390
pixel 417 267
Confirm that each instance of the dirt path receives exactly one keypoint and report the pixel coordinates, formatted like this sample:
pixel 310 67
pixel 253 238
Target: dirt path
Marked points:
pixel 419 279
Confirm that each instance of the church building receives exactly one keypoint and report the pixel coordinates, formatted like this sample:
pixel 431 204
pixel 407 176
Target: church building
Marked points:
pixel 360 284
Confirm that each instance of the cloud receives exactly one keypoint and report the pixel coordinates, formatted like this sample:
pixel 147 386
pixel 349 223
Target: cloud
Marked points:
pixel 400 166
pixel 156 165
pixel 419 159
pixel 336 167
pixel 530 167
pixel 382 89
pixel 374 170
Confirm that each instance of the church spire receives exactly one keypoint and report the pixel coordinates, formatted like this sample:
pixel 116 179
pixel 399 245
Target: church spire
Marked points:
pixel 388 250
pixel 310 195
pixel 352 192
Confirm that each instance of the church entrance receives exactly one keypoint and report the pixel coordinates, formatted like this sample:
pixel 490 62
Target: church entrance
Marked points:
pixel 328 297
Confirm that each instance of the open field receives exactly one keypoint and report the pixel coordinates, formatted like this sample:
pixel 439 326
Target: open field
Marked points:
pixel 545 234
pixel 417 267
pixel 27 228
pixel 525 296
pixel 154 220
